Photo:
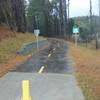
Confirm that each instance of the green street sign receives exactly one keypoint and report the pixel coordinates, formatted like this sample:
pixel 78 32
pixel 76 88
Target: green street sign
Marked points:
pixel 75 30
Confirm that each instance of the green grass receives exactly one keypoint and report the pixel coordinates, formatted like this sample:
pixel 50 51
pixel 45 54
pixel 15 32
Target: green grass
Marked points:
pixel 9 46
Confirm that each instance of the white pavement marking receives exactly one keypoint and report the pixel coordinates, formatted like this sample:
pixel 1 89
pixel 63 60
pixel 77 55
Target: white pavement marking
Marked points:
pixel 41 69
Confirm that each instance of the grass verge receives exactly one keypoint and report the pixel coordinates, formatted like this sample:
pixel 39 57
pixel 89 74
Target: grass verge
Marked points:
pixel 87 70
pixel 8 49
pixel 9 46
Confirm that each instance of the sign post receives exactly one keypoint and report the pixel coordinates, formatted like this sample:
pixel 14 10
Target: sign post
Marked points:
pixel 76 34
pixel 37 32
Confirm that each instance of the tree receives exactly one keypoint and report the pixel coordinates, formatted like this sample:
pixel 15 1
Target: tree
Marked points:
pixel 52 16
pixel 19 15
pixel 12 13
pixel 41 9
pixel 63 16
pixel 70 25
pixel 55 18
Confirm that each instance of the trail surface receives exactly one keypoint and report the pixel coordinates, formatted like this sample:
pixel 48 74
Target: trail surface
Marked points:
pixel 50 74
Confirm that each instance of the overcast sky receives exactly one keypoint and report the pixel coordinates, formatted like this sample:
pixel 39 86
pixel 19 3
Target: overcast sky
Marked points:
pixel 81 7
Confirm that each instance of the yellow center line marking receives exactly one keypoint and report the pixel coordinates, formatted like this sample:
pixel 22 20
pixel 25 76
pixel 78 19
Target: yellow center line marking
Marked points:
pixel 41 70
pixel 29 55
pixel 54 49
pixel 25 90
pixel 49 55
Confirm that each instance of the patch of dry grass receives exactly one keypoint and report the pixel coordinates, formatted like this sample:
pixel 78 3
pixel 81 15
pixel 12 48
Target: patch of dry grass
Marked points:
pixel 11 65
pixel 87 70
pixel 9 46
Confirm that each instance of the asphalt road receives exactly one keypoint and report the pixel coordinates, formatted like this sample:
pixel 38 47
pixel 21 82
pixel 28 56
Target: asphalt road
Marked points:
pixel 53 59
pixel 50 74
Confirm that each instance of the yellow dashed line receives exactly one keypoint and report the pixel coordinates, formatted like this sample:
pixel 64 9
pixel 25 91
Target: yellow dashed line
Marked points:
pixel 29 55
pixel 54 49
pixel 41 70
pixel 25 90
pixel 49 55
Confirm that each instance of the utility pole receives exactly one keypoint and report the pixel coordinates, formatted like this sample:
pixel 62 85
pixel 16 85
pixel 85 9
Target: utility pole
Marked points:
pixel 98 34
pixel 65 17
pixel 99 12
pixel 91 17
pixel 68 10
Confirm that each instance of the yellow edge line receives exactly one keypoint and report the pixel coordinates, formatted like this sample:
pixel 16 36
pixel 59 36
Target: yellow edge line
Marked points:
pixel 41 69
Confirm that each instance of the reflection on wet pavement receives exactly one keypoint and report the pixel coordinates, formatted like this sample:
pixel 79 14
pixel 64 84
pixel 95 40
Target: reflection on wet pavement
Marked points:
pixel 54 58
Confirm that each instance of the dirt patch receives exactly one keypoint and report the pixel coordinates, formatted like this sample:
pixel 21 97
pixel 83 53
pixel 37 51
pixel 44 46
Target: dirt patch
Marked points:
pixel 18 59
pixel 11 65
pixel 10 43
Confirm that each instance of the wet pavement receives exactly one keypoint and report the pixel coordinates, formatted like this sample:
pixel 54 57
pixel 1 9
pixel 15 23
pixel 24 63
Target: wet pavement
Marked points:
pixel 57 62
pixel 50 74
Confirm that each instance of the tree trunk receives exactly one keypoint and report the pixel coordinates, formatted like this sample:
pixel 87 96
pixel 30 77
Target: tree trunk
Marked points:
pixel 13 14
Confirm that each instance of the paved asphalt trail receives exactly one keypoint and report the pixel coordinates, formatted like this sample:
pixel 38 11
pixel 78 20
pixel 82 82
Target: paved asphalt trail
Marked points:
pixel 58 62
pixel 50 74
